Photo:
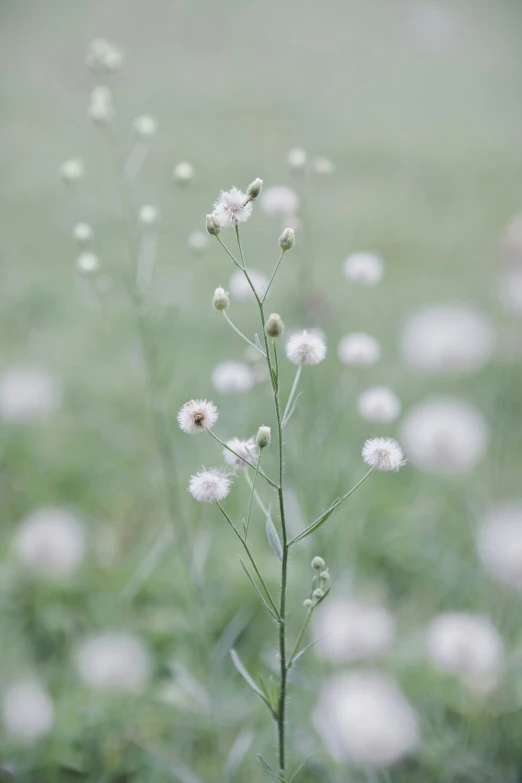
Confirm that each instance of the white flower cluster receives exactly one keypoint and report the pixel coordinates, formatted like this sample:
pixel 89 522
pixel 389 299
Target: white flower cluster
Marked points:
pixel 51 543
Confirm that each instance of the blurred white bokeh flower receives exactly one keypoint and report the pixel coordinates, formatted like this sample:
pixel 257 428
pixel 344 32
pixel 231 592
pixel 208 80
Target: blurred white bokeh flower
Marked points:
pixel 352 630
pixel 279 200
pixel 51 543
pixel 28 394
pixel 27 710
pixel 364 268
pixel 72 170
pixel 306 348
pixel 240 288
pixel 246 449
pixel 499 543
pixel 379 403
pixel 87 263
pixel 198 241
pixel 359 348
pixel 232 377
pixel 113 661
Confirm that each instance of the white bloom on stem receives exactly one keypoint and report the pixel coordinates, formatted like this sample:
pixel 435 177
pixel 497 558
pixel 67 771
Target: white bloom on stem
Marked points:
pixel 114 661
pixel 82 232
pixel 198 241
pixel 240 288
pixel 246 449
pixel 50 543
pixel 232 377
pixel 27 710
pixel 467 646
pixel 232 207
pixel 145 126
pixel 379 403
pixel 510 292
pixel 28 394
pixel 359 348
pixel 87 263
pixel 447 339
pixel 352 630
pixel 279 200
pixel 499 543
pixel 364 268
pixel 364 719
pixel 197 416
pixel 148 215
pixel 71 171
pixel 183 173
pixel 306 348
pixel 444 435
pixel 383 454
pixel 210 486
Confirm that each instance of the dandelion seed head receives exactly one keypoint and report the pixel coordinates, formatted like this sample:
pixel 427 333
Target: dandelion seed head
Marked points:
pixel 364 719
pixel 28 394
pixel 232 207
pixel 183 173
pixel 352 631
pixel 210 486
pixel 499 544
pixel 27 710
pixel 87 263
pixel 82 233
pixel 279 200
pixel 359 348
pixel 297 158
pixel 323 166
pixel 71 171
pixel 197 416
pixel 364 268
pixel 113 661
pixel 240 288
pixel 148 215
pixel 232 377
pixel 145 126
pixel 383 454
pixel 444 435
pixel 246 449
pixel 197 241
pixel 306 348
pixel 447 339
pixel 379 403
pixel 50 543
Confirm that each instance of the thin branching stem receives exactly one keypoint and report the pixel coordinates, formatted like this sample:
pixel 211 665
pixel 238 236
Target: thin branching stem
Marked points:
pixel 292 392
pixel 252 493
pixel 242 458
pixel 272 278
pixel 240 333
pixel 300 638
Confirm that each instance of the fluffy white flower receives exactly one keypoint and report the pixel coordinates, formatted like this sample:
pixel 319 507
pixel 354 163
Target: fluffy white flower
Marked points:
pixel 28 394
pixel 51 542
pixel 198 241
pixel 101 111
pixel 279 200
pixel 115 661
pixel 467 646
pixel 197 416
pixel 87 263
pixel 27 710
pixel 209 486
pixel 145 126
pixel 499 544
pixel 365 268
pixel 359 348
pixel 297 158
pixel 323 166
pixel 383 454
pixel 82 232
pixel 444 435
pixel 447 339
pixel 352 630
pixel 246 449
pixel 510 292
pixel 239 286
pixel 365 719
pixel 148 215
pixel 379 403
pixel 183 173
pixel 103 55
pixel 71 171
pixel 232 377
pixel 306 348
pixel 232 207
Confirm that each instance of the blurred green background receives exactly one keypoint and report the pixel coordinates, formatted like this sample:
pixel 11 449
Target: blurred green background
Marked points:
pixel 418 106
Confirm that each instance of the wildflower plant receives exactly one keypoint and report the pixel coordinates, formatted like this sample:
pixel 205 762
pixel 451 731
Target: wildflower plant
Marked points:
pixel 306 347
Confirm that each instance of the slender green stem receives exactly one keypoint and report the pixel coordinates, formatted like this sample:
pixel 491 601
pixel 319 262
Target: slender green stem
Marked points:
pixel 250 557
pixel 234 259
pixel 256 496
pixel 253 489
pixel 273 275
pixel 300 638
pixel 242 458
pixel 292 393
pixel 243 336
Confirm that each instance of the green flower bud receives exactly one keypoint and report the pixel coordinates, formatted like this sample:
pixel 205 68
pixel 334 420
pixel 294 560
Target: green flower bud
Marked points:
pixel 263 437
pixel 274 326
pixel 213 226
pixel 220 299
pixel 287 239
pixel 254 189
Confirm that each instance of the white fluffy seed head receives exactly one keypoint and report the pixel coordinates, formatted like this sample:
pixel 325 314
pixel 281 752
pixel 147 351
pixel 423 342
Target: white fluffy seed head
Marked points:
pixel 82 233
pixel 71 171
pixel 183 173
pixel 352 631
pixel 510 290
pixel 306 348
pixel 232 377
pixel 447 339
pixel 101 94
pixel 279 200
pixel 50 543
pixel 359 348
pixel 323 166
pixel 444 435
pixel 318 563
pixel 28 394
pixel 297 159
pixel 145 126
pixel 364 268
pixel 240 288
pixel 499 544
pixel 87 263
pixel 148 215
pixel 27 710
pixel 379 403
pixel 232 207
pixel 113 661
pixel 197 416
pixel 198 241
pixel 364 719
pixel 383 454
pixel 467 646
pixel 210 486
pixel 246 449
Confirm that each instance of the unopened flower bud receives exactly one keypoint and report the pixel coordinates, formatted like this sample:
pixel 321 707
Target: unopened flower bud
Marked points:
pixel 183 173
pixel 220 300
pixel 287 239
pixel 144 126
pixel 318 563
pixel 87 263
pixel 148 215
pixel 213 226
pixel 308 603
pixel 82 232
pixel 318 593
pixel 325 575
pixel 274 326
pixel 297 159
pixel 263 437
pixel 254 189
pixel 71 171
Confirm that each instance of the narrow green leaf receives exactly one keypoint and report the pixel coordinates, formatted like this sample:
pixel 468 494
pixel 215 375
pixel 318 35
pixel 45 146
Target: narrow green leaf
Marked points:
pixel 236 660
pixel 269 769
pixel 291 411
pixel 300 768
pixel 318 522
pixel 273 538
pixel 256 588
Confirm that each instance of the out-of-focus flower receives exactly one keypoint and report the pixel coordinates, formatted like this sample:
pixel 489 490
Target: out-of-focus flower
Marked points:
pixel 115 661
pixel 364 268
pixel 104 56
pixel 279 200
pixel 183 173
pixel 145 126
pixel 323 166
pixel 148 215
pixel 297 159
pixel 359 348
pixel 352 630
pixel 232 377
pixel 71 171
pixel 28 394
pixel 499 543
pixel 51 543
pixel 197 241
pixel 306 348
pixel 87 263
pixel 246 449
pixel 379 403
pixel 240 288
pixel 82 233
pixel 27 710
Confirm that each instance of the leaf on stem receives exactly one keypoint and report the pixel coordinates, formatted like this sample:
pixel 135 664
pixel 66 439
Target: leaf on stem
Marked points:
pixel 256 588
pixel 291 411
pixel 318 522
pixel 258 344
pixel 301 652
pixel 273 538
pixel 269 769
pixel 300 768
pixel 236 660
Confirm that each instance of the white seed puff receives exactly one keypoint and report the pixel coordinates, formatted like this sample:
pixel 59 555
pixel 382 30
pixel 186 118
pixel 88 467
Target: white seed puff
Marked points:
pixel 359 348
pixel 499 543
pixel 279 200
pixel 240 288
pixel 210 486
pixel 306 348
pixel 114 660
pixel 197 416
pixel 51 543
pixel 379 403
pixel 364 268
pixel 27 710
pixel 383 454
pixel 232 207
pixel 352 630
pixel 232 376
